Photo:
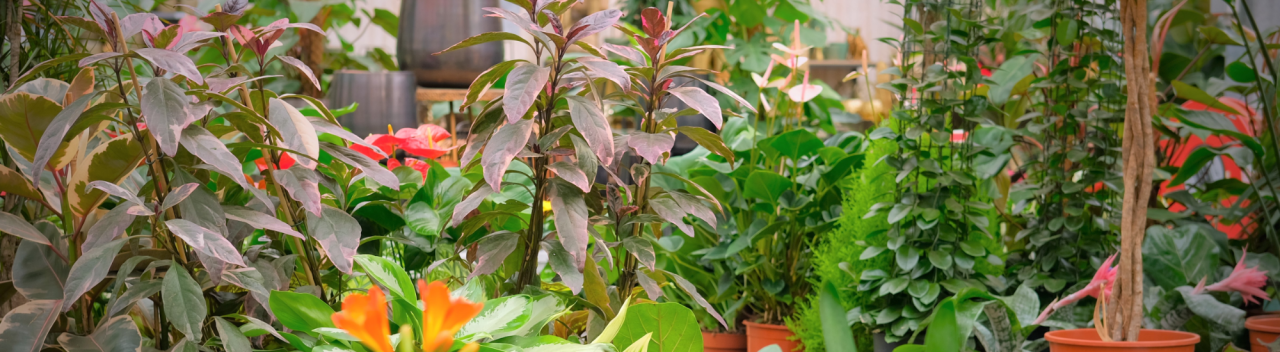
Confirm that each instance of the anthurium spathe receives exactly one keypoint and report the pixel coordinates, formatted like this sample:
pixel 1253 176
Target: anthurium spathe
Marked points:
pixel 365 317
pixel 424 141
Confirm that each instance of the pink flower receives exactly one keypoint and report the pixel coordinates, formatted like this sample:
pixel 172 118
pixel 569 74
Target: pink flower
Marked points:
pixel 1099 288
pixel 423 141
pixel 1247 281
pixel 805 91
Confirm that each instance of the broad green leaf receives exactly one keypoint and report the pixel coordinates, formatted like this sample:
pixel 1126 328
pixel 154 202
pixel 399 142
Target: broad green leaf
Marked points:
pixel 542 310
pixel 13 182
pixel 119 334
pixel 1179 256
pixel 943 333
pixel 338 233
pixel 180 290
pixel 232 338
pixel 748 13
pixel 1241 72
pixel 111 162
pixel 766 185
pixel 24 117
pixel 24 328
pixel 708 140
pixel 89 270
pixel 837 335
pixel 300 311
pixel 1188 92
pixel 692 291
pixel 1193 164
pixel 673 326
pixel 499 317
pixel 389 274
pixel 1007 76
pixel 486 80
pixel 796 144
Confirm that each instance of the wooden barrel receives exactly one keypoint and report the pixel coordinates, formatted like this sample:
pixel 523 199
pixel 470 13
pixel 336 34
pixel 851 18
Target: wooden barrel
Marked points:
pixel 429 26
pixel 385 98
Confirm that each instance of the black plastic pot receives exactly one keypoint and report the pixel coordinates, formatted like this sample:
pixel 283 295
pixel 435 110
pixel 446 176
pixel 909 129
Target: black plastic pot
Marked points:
pixel 430 26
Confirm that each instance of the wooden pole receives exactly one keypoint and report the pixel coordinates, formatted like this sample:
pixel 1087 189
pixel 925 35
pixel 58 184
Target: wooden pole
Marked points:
pixel 1124 310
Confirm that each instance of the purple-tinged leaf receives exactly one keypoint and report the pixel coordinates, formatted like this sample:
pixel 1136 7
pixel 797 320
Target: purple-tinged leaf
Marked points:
pixel 650 286
pixel 173 62
pixel 608 70
pixel 572 174
pixel 17 226
pixel 205 241
pixel 323 126
pixel 493 250
pixel 554 20
pixel 259 220
pixel 486 79
pixel 89 270
pixel 38 272
pixel 235 7
pixel 642 249
pixel 486 37
pixel 191 40
pixel 602 247
pixel 651 146
pixel 117 334
pixel 588 162
pixel 692 290
pixel 626 52
pixel 571 222
pixel 283 23
pixel 248 279
pixel 653 22
pixel 338 233
pixel 136 23
pixel 92 59
pixel 210 149
pixel 138 210
pixel 524 83
pixel 302 67
pixel 110 226
pixel 221 85
pixel 592 24
pixel 563 263
pixel 693 205
pixel 594 126
pixel 115 190
pixel 56 131
pixel 672 213
pixel 165 107
pixel 178 195
pixel 701 101
pixel 371 168
pixel 25 328
pixel 508 141
pixel 303 185
pixel 135 293
pixel 521 20
pixel 469 204
pixel 296 132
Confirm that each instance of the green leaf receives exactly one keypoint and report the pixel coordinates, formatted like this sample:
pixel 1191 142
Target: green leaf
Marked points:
pixel 894 285
pixel 673 326
pixel 1216 35
pixel 499 318
pixel 766 185
pixel 180 290
pixel 943 333
pixel 389 274
pixel 610 331
pixel 89 270
pixel 232 338
pixel 300 311
pixel 423 219
pixel 1007 76
pixel 835 327
pixel 387 20
pixel 1179 256
pixel 24 328
pixel 907 257
pixel 1188 92
pixel 1067 31
pixel 748 13
pixel 1200 157
pixel 708 140
pixel 795 144
pixel 1241 72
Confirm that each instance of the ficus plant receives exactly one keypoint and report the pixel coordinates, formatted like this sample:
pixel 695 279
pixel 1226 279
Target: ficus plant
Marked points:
pixel 139 225
pixel 548 138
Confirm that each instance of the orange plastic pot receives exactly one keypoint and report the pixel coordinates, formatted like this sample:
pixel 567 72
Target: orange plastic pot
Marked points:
pixel 1086 340
pixel 1263 329
pixel 724 342
pixel 762 335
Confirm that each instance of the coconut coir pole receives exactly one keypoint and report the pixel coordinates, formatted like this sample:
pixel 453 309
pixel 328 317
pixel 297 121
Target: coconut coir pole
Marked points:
pixel 1124 309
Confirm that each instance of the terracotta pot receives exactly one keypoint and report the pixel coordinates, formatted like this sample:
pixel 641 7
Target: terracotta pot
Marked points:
pixel 1262 329
pixel 724 342
pixel 762 335
pixel 1086 340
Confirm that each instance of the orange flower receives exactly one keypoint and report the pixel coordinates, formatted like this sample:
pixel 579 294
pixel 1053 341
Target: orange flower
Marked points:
pixel 443 316
pixel 365 317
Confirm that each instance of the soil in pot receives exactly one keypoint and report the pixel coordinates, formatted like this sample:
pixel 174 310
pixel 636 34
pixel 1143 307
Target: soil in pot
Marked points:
pixel 724 341
pixel 1086 340
pixel 762 335
pixel 1263 329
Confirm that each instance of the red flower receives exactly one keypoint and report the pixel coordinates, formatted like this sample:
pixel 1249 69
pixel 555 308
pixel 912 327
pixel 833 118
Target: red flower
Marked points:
pixel 1248 122
pixel 286 161
pixel 423 141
